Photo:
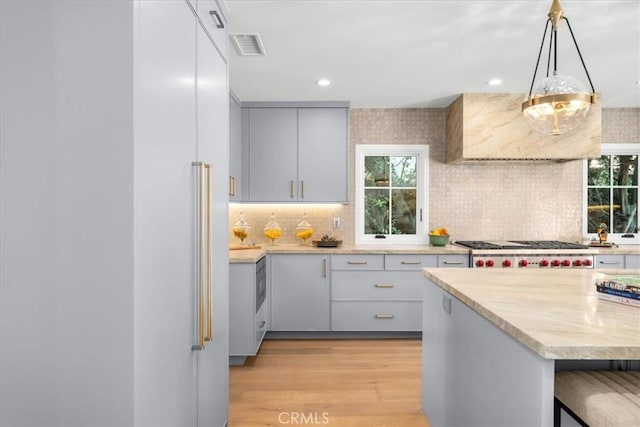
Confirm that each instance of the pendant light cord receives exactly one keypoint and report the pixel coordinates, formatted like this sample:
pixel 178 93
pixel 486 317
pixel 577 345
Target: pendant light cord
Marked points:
pixel 580 55
pixel 544 36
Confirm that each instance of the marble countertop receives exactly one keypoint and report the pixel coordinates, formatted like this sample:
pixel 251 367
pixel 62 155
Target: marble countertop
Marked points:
pixel 252 255
pixel 556 314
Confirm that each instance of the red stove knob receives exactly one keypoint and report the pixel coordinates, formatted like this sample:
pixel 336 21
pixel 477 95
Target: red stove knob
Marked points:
pixel 577 263
pixel 490 263
pixel 544 263
pixel 523 263
pixel 586 262
pixel 506 263
pixel 566 263
pixel 479 263
pixel 555 263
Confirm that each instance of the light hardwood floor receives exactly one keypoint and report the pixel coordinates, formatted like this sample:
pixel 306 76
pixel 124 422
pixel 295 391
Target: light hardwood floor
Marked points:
pixel 338 383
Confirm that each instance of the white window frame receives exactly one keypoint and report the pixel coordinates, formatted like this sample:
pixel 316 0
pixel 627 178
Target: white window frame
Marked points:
pixel 421 151
pixel 608 149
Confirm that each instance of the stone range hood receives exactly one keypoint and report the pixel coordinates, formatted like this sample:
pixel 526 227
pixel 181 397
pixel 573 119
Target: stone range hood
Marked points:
pixel 484 127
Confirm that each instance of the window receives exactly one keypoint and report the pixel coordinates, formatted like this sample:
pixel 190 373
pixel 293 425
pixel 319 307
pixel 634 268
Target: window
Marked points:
pixel 391 201
pixel 612 193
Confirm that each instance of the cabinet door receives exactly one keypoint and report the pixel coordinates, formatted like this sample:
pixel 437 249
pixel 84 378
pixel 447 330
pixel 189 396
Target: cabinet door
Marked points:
pixel 273 154
pixel 165 145
pixel 214 22
pixel 609 261
pixel 323 148
pixel 235 150
pixel 632 261
pixel 212 147
pixel 300 293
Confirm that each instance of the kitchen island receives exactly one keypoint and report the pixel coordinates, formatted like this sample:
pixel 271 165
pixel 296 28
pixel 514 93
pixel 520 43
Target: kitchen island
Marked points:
pixel 493 340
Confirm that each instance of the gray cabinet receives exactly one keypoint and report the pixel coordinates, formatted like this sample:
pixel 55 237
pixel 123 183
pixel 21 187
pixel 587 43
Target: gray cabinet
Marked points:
pixel 273 154
pixel 107 194
pixel 297 154
pixel 378 292
pixel 248 320
pixel 235 150
pixel 609 261
pixel 632 261
pixel 300 293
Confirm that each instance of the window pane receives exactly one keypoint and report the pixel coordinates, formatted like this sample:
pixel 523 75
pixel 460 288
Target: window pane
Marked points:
pixel 403 171
pixel 403 220
pixel 376 171
pixel 599 171
pixel 625 210
pixel 376 211
pixel 597 208
pixel 625 170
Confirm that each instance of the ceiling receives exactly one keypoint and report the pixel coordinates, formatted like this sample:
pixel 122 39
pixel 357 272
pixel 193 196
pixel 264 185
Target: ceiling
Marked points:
pixel 421 53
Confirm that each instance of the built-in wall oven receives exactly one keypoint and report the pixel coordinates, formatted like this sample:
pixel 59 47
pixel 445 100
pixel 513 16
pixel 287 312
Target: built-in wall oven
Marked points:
pixel 528 254
pixel 261 282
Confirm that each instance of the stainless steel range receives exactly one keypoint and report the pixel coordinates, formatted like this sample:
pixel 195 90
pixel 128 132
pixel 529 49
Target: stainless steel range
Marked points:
pixel 528 254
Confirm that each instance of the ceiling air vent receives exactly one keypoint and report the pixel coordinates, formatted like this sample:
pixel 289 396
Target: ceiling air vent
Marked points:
pixel 248 44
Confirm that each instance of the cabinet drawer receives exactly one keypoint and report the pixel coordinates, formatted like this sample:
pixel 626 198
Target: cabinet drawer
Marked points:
pixel 609 261
pixel 453 261
pixel 410 262
pixel 214 22
pixel 357 262
pixel 377 316
pixel 377 285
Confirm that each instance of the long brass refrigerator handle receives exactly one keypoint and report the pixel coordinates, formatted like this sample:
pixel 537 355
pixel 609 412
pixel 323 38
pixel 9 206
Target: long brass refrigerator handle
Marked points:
pixel 201 259
pixel 209 242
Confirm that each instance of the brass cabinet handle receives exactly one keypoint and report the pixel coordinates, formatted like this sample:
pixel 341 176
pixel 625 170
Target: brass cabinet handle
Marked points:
pixel 216 18
pixel 357 262
pixel 292 189
pixel 202 216
pixel 384 285
pixel 324 267
pixel 411 263
pixel 384 316
pixel 302 189
pixel 208 252
pixel 205 241
pixel 261 325
pixel 452 262
pixel 232 185
pixel 610 262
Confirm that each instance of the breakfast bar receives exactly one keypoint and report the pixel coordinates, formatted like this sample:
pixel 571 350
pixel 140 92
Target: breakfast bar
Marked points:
pixel 494 339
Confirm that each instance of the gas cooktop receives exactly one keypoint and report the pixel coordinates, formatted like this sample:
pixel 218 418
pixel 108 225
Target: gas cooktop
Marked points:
pixel 519 244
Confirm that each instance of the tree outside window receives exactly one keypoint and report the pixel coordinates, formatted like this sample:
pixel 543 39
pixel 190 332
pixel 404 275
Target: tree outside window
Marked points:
pixel 612 191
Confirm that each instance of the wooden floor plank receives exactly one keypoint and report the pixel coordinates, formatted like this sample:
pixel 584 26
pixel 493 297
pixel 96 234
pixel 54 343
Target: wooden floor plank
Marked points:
pixel 340 383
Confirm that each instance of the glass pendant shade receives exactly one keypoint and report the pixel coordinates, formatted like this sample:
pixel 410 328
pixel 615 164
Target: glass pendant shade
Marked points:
pixel 557 105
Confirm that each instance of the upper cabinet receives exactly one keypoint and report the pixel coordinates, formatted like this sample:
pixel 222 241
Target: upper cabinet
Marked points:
pixel 214 22
pixel 297 153
pixel 235 149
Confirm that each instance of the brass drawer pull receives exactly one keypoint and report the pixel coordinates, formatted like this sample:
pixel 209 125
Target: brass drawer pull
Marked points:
pixel 384 316
pixel 357 262
pixel 384 285
pixel 452 262
pixel 411 263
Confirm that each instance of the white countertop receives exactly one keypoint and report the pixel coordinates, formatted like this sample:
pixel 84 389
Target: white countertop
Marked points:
pixel 556 314
pixel 252 255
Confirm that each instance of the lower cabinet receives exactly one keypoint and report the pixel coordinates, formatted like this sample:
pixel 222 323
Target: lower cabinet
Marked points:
pixel 300 292
pixel 248 309
pixel 378 292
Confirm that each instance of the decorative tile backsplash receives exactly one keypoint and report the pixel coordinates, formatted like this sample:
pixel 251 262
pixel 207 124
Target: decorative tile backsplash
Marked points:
pixel 474 201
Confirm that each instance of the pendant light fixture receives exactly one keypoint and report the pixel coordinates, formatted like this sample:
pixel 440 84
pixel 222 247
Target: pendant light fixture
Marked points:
pixel 557 103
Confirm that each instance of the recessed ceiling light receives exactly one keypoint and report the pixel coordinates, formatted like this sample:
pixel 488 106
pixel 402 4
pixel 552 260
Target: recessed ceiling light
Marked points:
pixel 494 82
pixel 323 82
